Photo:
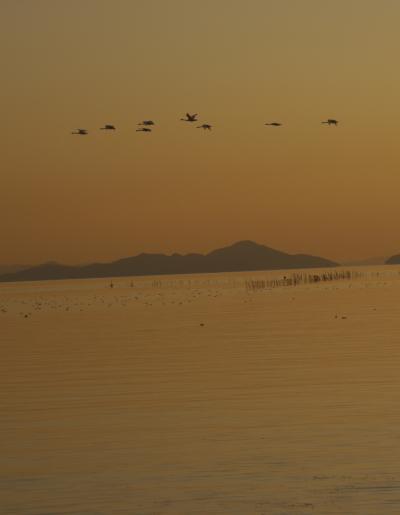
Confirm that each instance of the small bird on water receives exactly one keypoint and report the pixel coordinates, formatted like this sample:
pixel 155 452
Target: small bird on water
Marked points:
pixel 205 126
pixel 107 127
pixel 330 121
pixel 80 132
pixel 274 124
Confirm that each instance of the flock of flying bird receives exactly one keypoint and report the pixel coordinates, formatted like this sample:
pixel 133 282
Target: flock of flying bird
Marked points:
pixel 146 125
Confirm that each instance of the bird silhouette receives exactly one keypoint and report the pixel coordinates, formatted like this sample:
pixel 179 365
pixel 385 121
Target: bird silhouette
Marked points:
pixel 274 124
pixel 80 132
pixel 143 129
pixel 147 122
pixel 107 127
pixel 190 118
pixel 331 121
pixel 205 126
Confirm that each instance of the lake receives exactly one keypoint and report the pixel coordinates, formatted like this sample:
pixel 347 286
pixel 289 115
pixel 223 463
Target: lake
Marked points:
pixel 201 394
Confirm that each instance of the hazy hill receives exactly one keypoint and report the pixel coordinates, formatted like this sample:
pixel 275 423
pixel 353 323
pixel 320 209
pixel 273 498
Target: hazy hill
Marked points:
pixel 241 256
pixel 394 260
pixel 10 269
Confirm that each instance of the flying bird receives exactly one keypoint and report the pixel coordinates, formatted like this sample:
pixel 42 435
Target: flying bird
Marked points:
pixel 331 121
pixel 147 122
pixel 143 129
pixel 205 126
pixel 190 118
pixel 80 132
pixel 107 127
pixel 274 124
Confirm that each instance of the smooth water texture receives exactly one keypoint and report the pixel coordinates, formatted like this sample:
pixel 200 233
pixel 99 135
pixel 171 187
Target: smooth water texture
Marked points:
pixel 199 395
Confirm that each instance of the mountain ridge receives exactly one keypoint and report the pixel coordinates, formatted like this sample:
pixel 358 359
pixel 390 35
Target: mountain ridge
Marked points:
pixel 10 269
pixel 393 260
pixel 241 256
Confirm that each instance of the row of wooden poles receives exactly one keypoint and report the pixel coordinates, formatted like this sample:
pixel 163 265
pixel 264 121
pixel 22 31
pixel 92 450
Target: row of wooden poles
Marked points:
pixel 296 279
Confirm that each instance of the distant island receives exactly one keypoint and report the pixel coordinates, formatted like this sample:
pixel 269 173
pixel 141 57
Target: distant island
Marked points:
pixel 239 257
pixel 11 269
pixel 394 260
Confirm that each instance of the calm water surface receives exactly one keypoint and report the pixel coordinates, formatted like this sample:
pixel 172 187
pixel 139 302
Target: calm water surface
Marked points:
pixel 194 395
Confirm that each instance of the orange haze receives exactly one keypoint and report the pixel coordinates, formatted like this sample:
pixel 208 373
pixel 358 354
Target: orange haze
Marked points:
pixel 303 187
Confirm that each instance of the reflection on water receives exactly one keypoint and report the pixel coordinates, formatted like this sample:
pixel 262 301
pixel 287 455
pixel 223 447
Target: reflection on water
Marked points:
pixel 199 395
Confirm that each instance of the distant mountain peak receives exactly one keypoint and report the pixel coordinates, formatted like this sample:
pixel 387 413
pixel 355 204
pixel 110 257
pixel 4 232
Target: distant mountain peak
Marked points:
pixel 246 243
pixel 394 260
pixel 244 255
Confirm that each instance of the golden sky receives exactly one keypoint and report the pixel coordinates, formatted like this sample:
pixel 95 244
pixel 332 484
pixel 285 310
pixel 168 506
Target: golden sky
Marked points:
pixel 303 187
